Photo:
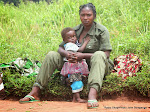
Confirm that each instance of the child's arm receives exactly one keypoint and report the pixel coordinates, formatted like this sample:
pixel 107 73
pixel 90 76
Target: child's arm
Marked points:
pixel 86 40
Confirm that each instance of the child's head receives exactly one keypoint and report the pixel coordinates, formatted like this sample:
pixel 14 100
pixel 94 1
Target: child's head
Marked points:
pixel 68 34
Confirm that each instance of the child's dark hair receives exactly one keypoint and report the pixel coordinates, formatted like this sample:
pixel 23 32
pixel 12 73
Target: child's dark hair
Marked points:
pixel 65 30
pixel 90 5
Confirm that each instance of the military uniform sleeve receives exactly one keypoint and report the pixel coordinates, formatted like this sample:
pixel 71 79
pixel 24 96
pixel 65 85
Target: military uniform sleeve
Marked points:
pixel 62 44
pixel 105 41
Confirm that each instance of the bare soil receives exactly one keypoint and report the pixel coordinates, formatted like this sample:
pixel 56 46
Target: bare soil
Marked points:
pixel 113 103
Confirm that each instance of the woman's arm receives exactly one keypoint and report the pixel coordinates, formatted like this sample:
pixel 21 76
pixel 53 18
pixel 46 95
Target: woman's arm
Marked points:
pixel 74 57
pixel 68 54
pixel 62 52
pixel 81 56
pixel 107 53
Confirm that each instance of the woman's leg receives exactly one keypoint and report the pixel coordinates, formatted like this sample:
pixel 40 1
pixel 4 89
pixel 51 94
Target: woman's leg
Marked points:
pixel 99 67
pixel 53 61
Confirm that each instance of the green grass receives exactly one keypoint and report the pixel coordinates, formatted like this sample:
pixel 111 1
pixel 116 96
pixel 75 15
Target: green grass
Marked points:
pixel 33 29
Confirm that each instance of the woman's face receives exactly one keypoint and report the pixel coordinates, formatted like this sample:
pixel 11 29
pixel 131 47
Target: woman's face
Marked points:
pixel 87 17
pixel 70 37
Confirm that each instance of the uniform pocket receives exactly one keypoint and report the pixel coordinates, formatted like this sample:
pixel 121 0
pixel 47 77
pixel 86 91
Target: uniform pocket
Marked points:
pixel 93 45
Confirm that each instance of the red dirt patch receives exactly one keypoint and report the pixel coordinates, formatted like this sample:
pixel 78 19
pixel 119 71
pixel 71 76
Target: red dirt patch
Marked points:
pixel 64 106
pixel 123 103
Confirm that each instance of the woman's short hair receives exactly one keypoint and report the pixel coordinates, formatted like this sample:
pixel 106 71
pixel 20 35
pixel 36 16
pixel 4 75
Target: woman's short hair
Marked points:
pixel 65 30
pixel 89 5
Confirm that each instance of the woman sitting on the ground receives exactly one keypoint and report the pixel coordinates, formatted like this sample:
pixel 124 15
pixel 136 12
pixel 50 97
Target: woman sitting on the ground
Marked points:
pixel 96 53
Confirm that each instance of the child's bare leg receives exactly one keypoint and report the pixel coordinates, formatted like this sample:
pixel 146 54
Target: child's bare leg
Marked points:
pixel 74 98
pixel 78 99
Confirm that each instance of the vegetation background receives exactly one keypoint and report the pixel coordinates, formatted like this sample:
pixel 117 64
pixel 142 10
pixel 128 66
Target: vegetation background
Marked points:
pixel 31 29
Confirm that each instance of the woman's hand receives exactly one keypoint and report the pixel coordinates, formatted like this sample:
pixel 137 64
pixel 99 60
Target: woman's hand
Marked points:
pixel 107 53
pixel 79 56
pixel 71 57
pixel 64 53
pixel 75 57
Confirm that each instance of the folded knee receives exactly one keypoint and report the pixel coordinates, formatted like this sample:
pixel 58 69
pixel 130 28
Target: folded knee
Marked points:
pixel 52 54
pixel 98 55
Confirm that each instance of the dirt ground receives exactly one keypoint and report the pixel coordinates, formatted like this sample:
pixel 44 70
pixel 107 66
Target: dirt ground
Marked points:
pixel 109 104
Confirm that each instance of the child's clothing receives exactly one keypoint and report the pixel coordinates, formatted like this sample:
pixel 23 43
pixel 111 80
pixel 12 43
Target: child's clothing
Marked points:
pixel 77 84
pixel 74 71
pixel 71 68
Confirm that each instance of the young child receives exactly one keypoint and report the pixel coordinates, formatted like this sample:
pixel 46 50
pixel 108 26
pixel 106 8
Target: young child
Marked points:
pixel 74 71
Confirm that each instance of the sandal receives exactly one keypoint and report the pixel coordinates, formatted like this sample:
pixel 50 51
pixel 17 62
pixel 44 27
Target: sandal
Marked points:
pixel 91 102
pixel 32 99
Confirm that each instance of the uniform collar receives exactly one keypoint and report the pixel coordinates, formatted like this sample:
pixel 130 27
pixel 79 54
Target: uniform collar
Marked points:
pixel 79 29
pixel 92 30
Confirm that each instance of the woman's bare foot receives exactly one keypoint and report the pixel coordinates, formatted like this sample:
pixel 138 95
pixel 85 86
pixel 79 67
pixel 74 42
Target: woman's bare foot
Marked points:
pixel 34 93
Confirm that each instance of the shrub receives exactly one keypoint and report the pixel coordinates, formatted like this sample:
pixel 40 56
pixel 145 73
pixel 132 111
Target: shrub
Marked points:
pixel 21 85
